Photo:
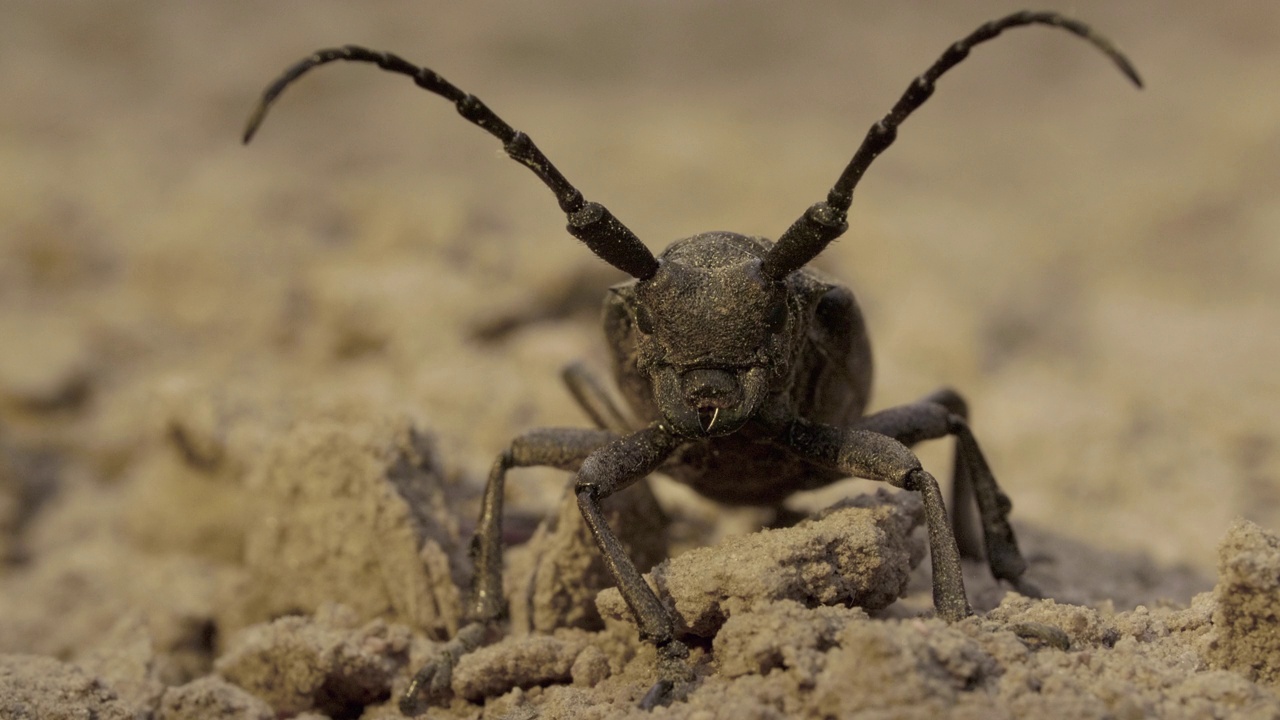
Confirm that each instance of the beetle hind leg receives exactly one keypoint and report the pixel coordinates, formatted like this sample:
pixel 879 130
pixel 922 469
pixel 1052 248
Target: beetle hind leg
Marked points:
pixel 595 401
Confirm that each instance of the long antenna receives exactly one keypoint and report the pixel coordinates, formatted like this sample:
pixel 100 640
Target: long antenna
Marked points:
pixel 590 222
pixel 826 221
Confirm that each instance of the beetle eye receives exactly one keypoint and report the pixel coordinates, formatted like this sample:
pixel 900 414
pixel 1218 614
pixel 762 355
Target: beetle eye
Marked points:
pixel 777 319
pixel 643 321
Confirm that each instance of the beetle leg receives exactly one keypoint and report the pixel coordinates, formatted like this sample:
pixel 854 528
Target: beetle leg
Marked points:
pixel 963 517
pixel 562 448
pixel 938 415
pixel 1003 556
pixel 872 455
pixel 594 400
pixel 608 470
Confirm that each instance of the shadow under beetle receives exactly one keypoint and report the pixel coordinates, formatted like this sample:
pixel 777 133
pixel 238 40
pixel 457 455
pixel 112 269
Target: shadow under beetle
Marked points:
pixel 748 372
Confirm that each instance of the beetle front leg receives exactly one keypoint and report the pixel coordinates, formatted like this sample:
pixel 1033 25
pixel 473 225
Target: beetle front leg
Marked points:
pixel 938 415
pixel 485 607
pixel 608 470
pixel 871 455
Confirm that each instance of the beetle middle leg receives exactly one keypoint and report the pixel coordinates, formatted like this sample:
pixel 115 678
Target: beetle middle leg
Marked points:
pixel 561 448
pixel 944 413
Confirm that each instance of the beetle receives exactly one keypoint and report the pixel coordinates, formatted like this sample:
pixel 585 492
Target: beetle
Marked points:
pixel 748 372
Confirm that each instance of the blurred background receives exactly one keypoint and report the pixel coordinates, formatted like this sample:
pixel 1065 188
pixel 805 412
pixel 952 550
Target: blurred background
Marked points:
pixel 1097 269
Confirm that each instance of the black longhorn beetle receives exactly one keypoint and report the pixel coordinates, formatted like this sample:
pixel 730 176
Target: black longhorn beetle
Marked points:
pixel 749 375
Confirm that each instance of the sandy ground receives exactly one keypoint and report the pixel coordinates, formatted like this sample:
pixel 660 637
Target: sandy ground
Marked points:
pixel 245 408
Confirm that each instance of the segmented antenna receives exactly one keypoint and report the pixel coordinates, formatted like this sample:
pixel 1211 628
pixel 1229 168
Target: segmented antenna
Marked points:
pixel 826 221
pixel 590 222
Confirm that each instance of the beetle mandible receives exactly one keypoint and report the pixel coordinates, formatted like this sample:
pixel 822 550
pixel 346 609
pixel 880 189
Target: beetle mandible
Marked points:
pixel 749 375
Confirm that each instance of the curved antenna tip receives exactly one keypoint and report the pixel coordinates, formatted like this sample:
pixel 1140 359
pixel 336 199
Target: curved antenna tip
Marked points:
pixel 255 119
pixel 1130 72
pixel 1111 51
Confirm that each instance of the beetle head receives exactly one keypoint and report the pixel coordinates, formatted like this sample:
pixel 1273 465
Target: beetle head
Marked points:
pixel 711 333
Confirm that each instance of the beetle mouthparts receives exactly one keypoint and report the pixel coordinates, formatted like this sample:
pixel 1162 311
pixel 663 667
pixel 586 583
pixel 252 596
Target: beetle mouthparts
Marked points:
pixel 707 417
